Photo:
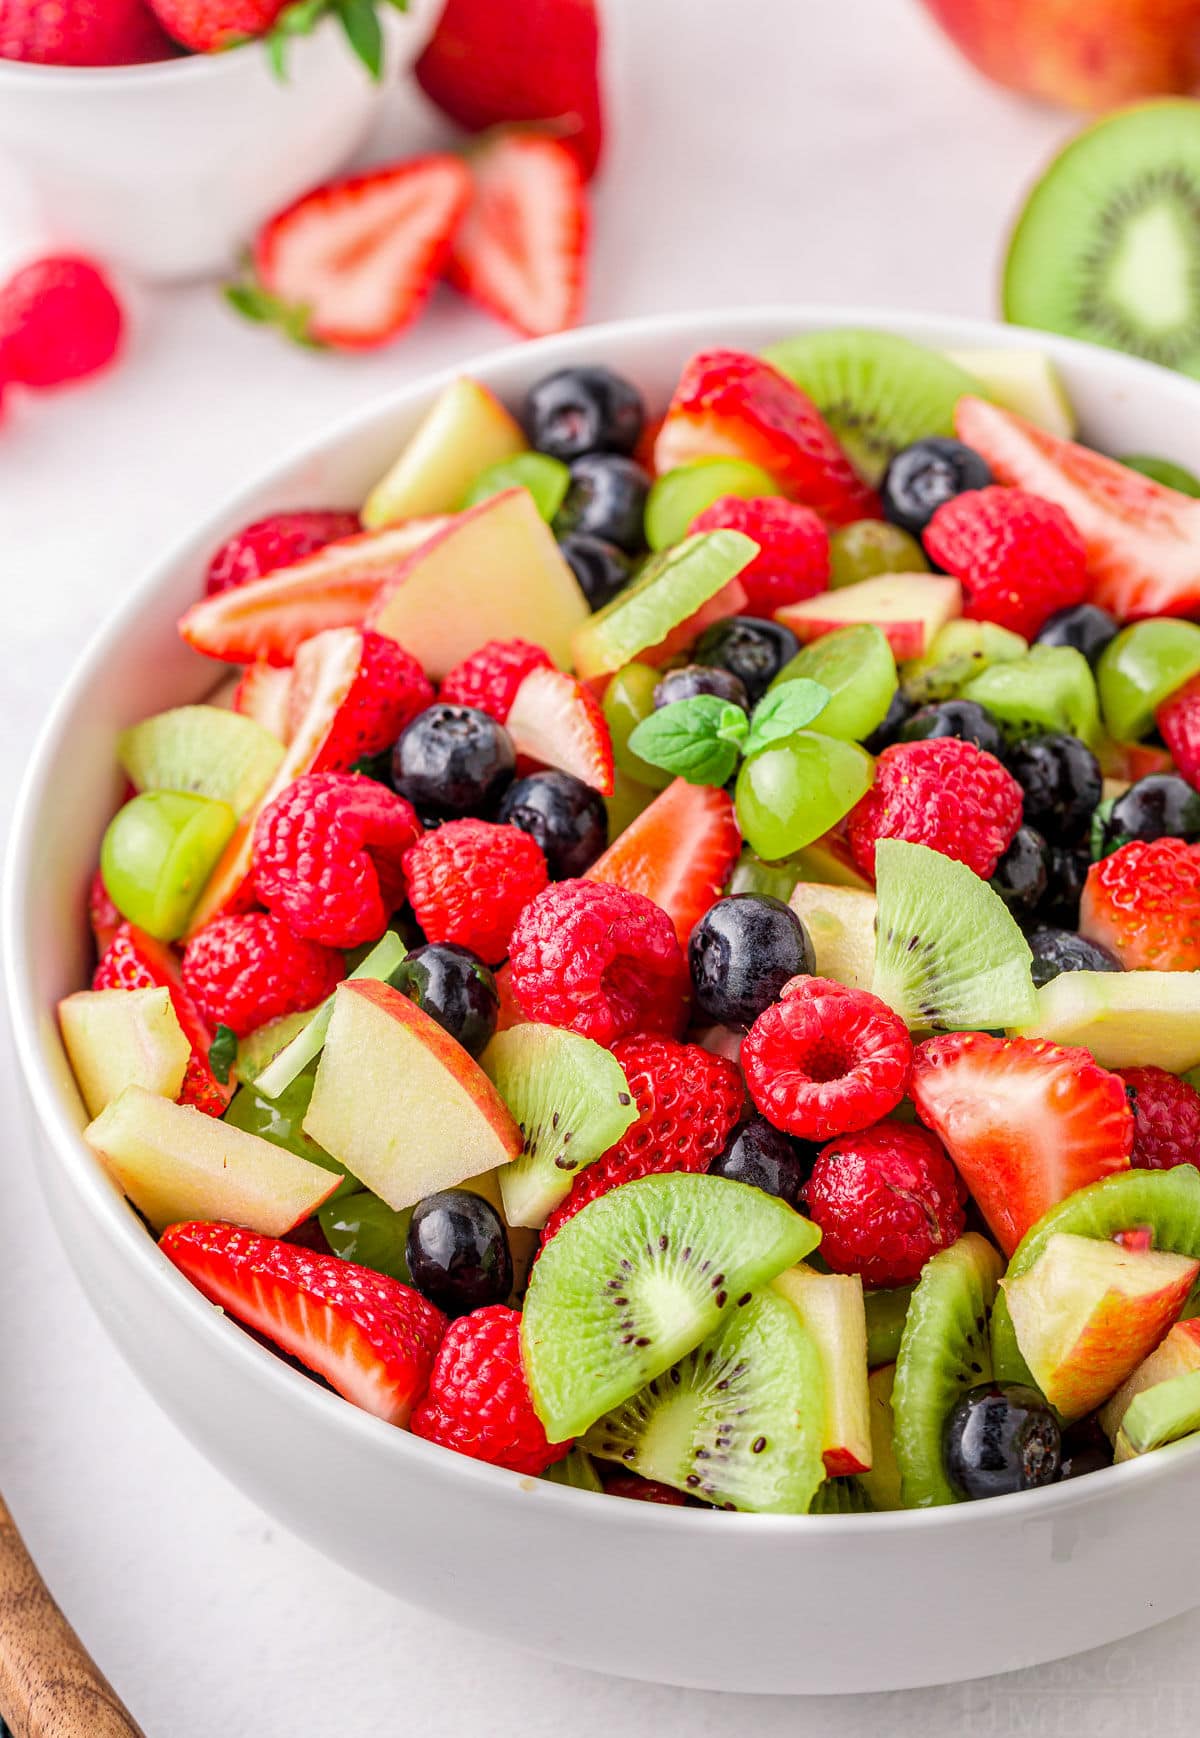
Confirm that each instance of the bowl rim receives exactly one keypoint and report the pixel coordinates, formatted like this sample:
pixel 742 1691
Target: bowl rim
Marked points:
pixel 84 1174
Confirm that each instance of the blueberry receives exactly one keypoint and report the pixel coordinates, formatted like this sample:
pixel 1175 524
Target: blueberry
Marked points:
pixel 962 718
pixel 601 568
pixel 1061 950
pixel 458 1252
pixel 1161 806
pixel 1021 875
pixel 921 477
pixel 606 498
pixel 742 952
pixel 1062 782
pixel 583 410
pixel 1069 865
pixel 898 713
pixel 766 1159
pixel 454 987
pixel 999 1438
pixel 451 761
pixel 1085 1449
pixel 696 679
pixel 566 817
pixel 750 647
pixel 1085 627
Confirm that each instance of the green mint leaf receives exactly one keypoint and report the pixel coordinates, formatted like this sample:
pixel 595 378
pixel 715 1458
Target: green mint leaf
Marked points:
pixel 222 1053
pixel 696 739
pixel 363 33
pixel 785 709
pixel 250 302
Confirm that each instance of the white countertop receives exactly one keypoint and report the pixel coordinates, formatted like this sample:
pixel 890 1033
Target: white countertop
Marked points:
pixel 765 150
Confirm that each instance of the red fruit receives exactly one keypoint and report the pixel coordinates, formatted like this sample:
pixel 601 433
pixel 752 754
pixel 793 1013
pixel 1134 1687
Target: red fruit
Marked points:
pixel 275 542
pixel 59 321
pixel 794 545
pixel 944 793
pixel 263 693
pixel 728 402
pixel 388 691
pixel 206 26
pixel 520 250
pixel 488 680
pixel 531 60
pixel 1178 721
pixel 680 852
pixel 478 1400
pixel 1166 1118
pixel 245 971
pixel 371 1338
pixel 328 855
pixel 1019 558
pixel 885 1200
pixel 598 960
pixel 628 1484
pixel 133 960
pixel 83 33
pixel 1026 1122
pixel 826 1060
pixel 557 722
pixel 469 881
pixel 103 915
pixel 1143 540
pixel 1143 903
pixel 688 1104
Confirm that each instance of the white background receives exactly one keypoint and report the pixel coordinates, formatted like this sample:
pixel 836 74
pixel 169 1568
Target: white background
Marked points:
pixel 762 150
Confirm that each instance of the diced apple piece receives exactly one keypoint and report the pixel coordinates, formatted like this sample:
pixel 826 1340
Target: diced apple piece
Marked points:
pixel 909 608
pixel 841 925
pixel 882 1482
pixel 1025 381
pixel 828 859
pixel 175 1163
pixel 1178 1355
pixel 399 1103
pixel 831 1307
pixel 1126 1019
pixel 464 431
pixel 120 1038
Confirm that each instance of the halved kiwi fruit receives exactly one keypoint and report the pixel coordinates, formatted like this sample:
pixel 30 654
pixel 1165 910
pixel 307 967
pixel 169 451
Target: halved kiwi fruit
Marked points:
pixel 1048 688
pixel 841 1496
pixel 637 1279
pixel 204 749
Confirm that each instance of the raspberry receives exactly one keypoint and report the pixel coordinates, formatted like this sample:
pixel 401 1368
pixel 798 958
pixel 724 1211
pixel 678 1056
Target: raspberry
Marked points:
pixel 103 915
pixel 688 1102
pixel 388 691
pixel 943 793
pixel 490 677
pixel 1019 558
pixel 59 321
pixel 1178 720
pixel 793 562
pixel 1166 1117
pixel 1143 904
pixel 478 1400
pixel 885 1199
pixel 328 856
pixel 244 972
pixel 469 881
pixel 599 960
pixel 135 961
pixel 826 1060
pixel 274 542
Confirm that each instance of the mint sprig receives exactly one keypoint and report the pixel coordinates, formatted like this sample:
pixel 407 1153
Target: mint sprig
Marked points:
pixel 701 739
pixel 785 710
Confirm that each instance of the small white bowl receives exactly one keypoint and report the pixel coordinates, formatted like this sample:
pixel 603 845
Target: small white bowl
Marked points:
pixel 719 1601
pixel 168 169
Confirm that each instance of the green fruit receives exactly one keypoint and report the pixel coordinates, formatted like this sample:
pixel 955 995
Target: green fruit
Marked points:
pixel 204 749
pixel 361 1228
pixel 841 927
pixel 628 699
pixel 1166 472
pixel 791 792
pixel 881 1484
pixel 841 1496
pixel 887 1312
pixel 857 666
pixel 575 1470
pixel 157 854
pixel 384 958
pixel 752 875
pixel 960 651
pixel 546 479
pixel 280 1121
pixel 1140 669
pixel 870 547
pixel 263 1045
pixel 1126 1019
pixel 628 800
pixel 678 496
pixel 639 1278
pixel 1160 1414
pixel 737 1422
pixel 1050 688
pixel 1025 381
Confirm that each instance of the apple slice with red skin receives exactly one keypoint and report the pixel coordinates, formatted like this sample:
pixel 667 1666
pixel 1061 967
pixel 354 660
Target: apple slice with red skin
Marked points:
pixel 1177 1355
pixel 464 432
pixel 909 608
pixel 832 1309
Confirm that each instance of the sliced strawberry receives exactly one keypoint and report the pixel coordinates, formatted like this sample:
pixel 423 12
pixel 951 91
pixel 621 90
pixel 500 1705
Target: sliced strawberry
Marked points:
pixel 263 694
pixel 558 722
pixel 520 250
pixel 509 1013
pixel 133 960
pixel 371 1338
pixel 680 852
pixel 1026 1122
pixel 728 402
pixel 1178 721
pixel 103 915
pixel 388 691
pixel 1143 540
pixel 1130 761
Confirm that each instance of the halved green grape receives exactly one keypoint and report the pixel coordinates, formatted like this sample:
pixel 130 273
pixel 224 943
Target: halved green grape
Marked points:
pixel 1140 669
pixel 857 666
pixel 546 479
pixel 872 546
pixel 679 495
pixel 797 789
pixel 752 875
pixel 628 699
pixel 360 1227
pixel 157 854
pixel 1164 471
pixel 280 1121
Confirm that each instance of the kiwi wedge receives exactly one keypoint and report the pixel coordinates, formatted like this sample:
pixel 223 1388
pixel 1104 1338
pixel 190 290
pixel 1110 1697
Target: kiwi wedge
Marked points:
pixel 1048 688
pixel 203 749
pixel 944 1351
pixel 576 1471
pixel 571 1101
pixel 738 1422
pixel 887 1312
pixel 876 391
pixel 637 1279
pixel 960 651
pixel 1108 245
pixel 949 955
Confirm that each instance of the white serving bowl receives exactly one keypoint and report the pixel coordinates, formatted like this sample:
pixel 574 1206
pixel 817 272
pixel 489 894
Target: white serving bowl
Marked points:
pixel 720 1601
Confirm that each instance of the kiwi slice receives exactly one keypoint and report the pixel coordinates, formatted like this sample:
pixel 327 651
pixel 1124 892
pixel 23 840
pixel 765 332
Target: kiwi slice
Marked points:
pixel 886 1315
pixel 949 955
pixel 571 1101
pixel 204 749
pixel 637 1279
pixel 960 651
pixel 880 1484
pixel 876 391
pixel 841 1496
pixel 944 1351
pixel 1108 245
pixel 1050 688
pixel 575 1470
pixel 738 1422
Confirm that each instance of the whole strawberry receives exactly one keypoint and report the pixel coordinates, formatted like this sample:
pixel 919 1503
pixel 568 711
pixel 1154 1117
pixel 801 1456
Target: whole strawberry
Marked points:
pixel 82 33
pixel 1143 904
pixel 245 971
pixel 793 558
pixel 885 1200
pixel 206 26
pixel 1019 558
pixel 941 792
pixel 469 881
pixel 59 321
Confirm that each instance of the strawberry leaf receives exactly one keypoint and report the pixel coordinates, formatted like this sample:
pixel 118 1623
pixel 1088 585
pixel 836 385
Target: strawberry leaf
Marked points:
pixel 784 710
pixel 361 25
pixel 696 739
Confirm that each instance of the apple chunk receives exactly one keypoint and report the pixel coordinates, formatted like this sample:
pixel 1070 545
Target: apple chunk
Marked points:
pixel 403 1106
pixel 1088 1312
pixel 175 1163
pixel 832 1309
pixel 120 1038
pixel 1126 1019
pixel 841 925
pixel 464 431
pixel 1178 1355
pixel 909 608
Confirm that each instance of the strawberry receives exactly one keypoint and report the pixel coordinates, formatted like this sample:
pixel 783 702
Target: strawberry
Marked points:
pixel 371 1338
pixel 263 694
pixel 103 915
pixel 1178 720
pixel 530 60
pixel 1026 1122
pixel 1019 558
pixel 679 852
pixel 59 320
pixel 1143 904
pixel 1143 540
pixel 85 33
pixel 520 249
pixel 388 691
pixel 206 26
pixel 133 960
pixel 728 402
pixel 558 722
pixel 279 540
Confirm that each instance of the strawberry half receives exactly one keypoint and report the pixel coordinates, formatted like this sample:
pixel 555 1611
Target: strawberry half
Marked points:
pixel 729 402
pixel 558 722
pixel 679 852
pixel 371 1338
pixel 1026 1122
pixel 133 960
pixel 388 690
pixel 103 915
pixel 263 694
pixel 1178 720
pixel 519 251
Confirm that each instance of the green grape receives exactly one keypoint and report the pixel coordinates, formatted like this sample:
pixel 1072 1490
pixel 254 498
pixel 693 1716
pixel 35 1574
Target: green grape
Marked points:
pixel 1140 669
pixel 887 1312
pixel 1164 471
pixel 752 875
pixel 546 479
pixel 798 788
pixel 872 546
pixel 626 803
pixel 678 496
pixel 157 854
pixel 279 1120
pixel 360 1227
pixel 857 666
pixel 628 699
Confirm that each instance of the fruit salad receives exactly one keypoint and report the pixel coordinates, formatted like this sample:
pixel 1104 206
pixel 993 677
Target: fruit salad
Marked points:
pixel 668 960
